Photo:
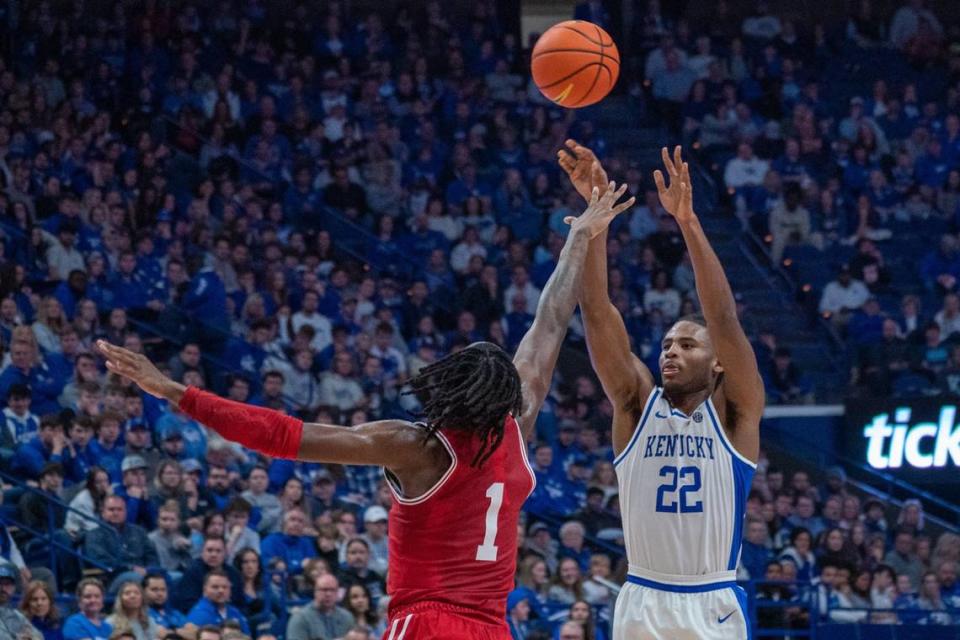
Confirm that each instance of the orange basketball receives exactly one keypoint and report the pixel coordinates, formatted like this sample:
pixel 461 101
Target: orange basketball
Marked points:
pixel 575 63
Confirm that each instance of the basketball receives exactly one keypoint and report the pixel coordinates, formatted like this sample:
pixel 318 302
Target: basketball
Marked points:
pixel 575 63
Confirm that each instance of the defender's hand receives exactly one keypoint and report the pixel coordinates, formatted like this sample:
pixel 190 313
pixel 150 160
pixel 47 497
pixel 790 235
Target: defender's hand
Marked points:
pixel 601 211
pixel 140 370
pixel 583 168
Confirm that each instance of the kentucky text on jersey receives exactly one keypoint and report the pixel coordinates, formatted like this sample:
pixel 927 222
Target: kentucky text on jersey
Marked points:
pixel 678 445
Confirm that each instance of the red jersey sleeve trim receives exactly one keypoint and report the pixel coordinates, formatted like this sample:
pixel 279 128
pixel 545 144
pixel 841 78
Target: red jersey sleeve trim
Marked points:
pixel 395 489
pixel 523 452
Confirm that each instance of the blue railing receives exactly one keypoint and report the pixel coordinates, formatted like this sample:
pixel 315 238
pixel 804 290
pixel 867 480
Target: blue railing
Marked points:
pixel 50 533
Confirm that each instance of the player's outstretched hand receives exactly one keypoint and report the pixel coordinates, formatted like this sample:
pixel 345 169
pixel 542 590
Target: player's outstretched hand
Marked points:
pixel 140 370
pixel 677 199
pixel 583 168
pixel 601 210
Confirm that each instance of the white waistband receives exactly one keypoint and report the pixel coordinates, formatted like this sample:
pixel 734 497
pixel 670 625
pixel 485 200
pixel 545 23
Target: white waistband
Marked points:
pixel 666 578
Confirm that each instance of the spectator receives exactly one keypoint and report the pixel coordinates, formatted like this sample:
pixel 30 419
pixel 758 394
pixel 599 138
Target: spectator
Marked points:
pixel 123 548
pixel 789 223
pixel 173 548
pixel 140 510
pixel 38 606
pixel 358 602
pixel 167 619
pixel 518 614
pixel 88 503
pixel 88 622
pixel 843 295
pixel 931 599
pixel 266 503
pixel 130 612
pixel 375 535
pixel 20 425
pixel 916 30
pixel 291 547
pixel 568 583
pixel 239 535
pixel 212 558
pixel 903 559
pixel 255 596
pixel 755 554
pixel 214 607
pixel 745 171
pixel 788 385
pixel 356 569
pixel 800 552
pixel 322 618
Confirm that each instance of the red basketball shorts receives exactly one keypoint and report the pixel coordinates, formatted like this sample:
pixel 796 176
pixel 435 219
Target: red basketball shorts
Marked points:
pixel 437 621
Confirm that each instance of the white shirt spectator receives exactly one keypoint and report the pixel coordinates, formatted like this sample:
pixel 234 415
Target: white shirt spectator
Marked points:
pixel 948 323
pixel 323 330
pixel 463 252
pixel 530 293
pixel 61 259
pixel 762 27
pixel 837 297
pixel 906 25
pixel 667 301
pixel 657 62
pixel 337 391
pixel 742 172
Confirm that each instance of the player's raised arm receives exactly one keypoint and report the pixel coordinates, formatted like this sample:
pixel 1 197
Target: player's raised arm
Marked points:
pixel 625 379
pixel 742 385
pixel 394 444
pixel 537 354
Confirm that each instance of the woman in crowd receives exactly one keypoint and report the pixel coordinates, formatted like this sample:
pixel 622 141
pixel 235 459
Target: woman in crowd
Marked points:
pixel 88 622
pixel 130 613
pixel 38 607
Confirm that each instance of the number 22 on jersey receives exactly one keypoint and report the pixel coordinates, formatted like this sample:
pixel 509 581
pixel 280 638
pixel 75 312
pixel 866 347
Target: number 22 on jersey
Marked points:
pixel 487 552
pixel 688 480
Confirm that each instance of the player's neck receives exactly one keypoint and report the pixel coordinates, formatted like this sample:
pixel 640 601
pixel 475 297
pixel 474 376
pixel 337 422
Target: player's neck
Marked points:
pixel 686 401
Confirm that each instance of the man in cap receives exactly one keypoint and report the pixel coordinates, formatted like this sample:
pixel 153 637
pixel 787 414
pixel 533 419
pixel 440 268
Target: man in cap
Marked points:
pixel 138 442
pixel 375 534
pixel 13 624
pixel 323 498
pixel 134 491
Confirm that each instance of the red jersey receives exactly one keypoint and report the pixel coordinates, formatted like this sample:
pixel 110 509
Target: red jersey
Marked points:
pixel 457 543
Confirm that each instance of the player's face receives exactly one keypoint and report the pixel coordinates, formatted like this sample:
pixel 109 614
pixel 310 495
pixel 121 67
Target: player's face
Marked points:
pixel 688 362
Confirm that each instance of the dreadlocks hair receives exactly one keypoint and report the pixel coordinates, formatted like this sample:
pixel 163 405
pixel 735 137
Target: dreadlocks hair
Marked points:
pixel 473 389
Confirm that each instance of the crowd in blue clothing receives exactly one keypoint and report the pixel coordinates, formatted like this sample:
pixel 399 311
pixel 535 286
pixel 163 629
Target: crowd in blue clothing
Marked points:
pixel 300 210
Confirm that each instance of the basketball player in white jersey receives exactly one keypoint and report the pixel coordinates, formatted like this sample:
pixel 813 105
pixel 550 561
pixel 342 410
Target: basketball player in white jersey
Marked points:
pixel 685 452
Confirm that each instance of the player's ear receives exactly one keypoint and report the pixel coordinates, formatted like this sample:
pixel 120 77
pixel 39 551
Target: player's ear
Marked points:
pixel 717 367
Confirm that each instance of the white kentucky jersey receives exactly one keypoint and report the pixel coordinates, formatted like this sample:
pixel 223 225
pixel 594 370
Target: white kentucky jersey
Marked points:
pixel 683 493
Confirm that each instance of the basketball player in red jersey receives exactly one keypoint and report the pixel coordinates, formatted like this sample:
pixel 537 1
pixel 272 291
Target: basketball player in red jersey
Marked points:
pixel 459 478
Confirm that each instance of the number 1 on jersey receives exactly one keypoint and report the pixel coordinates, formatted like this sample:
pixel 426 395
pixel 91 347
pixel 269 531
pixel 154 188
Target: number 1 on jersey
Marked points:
pixel 487 552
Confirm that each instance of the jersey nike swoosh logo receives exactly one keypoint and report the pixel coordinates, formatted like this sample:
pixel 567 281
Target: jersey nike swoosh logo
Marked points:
pixel 726 617
pixel 660 415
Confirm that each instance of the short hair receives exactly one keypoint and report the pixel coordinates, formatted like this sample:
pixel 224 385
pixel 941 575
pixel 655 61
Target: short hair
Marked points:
pixel 571 525
pixel 215 573
pixel 238 505
pixel 89 582
pixel 885 568
pixel 154 575
pixel 170 506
